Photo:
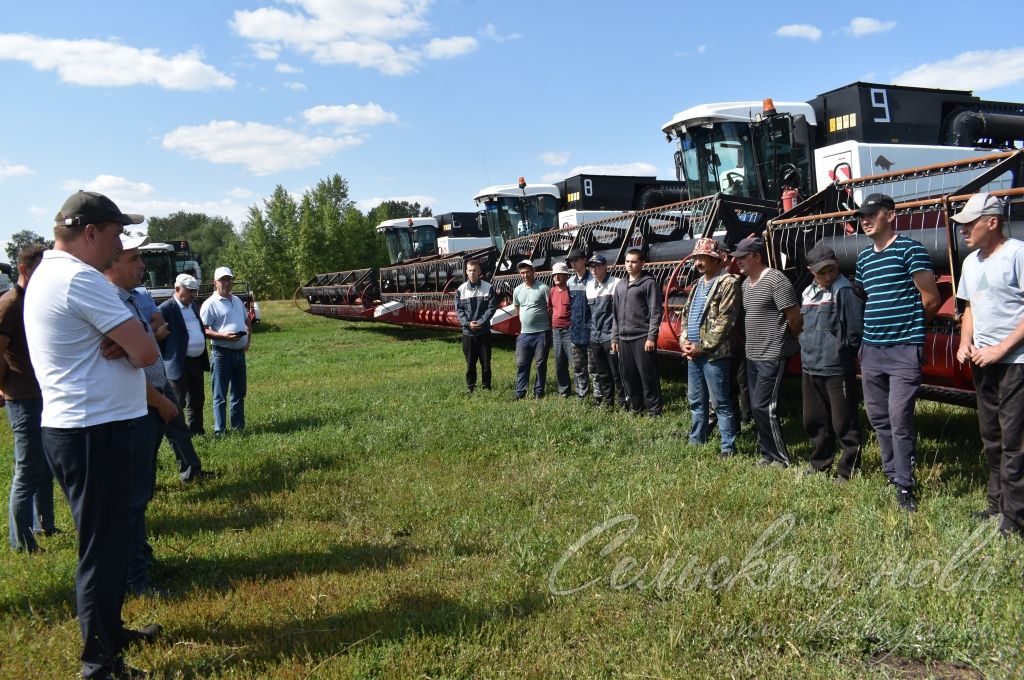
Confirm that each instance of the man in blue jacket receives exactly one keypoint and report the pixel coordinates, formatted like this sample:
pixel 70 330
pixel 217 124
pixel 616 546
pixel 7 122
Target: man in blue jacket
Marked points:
pixel 580 323
pixel 833 315
pixel 184 350
pixel 475 304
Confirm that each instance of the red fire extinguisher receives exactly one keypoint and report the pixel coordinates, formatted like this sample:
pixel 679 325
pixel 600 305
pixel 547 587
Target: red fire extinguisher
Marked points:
pixel 790 198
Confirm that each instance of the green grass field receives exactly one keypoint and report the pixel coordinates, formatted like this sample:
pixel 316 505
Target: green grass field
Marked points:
pixel 375 522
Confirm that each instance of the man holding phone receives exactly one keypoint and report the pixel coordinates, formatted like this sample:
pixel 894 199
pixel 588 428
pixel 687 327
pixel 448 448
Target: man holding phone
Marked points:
pixel 228 327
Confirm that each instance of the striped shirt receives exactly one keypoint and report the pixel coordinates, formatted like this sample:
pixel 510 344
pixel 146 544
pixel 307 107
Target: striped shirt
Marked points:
pixel 700 296
pixel 768 337
pixel 155 374
pixel 894 314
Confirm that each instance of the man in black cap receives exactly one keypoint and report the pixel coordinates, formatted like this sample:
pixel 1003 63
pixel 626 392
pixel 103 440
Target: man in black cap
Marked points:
pixel 833 315
pixel 771 313
pixel 897 277
pixel 600 293
pixel 88 351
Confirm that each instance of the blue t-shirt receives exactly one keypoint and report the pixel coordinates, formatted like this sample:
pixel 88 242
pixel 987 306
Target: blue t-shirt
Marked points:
pixel 893 314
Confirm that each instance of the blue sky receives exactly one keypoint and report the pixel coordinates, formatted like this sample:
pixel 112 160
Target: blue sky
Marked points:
pixel 208 105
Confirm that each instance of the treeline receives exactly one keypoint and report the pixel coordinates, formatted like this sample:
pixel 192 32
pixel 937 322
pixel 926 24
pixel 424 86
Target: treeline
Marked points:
pixel 282 242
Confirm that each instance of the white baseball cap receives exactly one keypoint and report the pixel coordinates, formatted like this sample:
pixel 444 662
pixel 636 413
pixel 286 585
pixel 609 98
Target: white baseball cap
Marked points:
pixel 131 242
pixel 977 206
pixel 187 281
pixel 221 272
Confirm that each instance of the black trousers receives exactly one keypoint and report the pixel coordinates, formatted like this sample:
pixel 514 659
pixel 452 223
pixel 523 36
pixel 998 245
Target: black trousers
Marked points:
pixel 93 467
pixel 830 414
pixel 1000 390
pixel 190 390
pixel 477 348
pixel 639 371
pixel 179 436
pixel 765 380
pixel 740 391
pixel 607 380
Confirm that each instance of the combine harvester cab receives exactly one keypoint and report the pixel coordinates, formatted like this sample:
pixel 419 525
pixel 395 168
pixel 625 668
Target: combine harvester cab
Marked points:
pixel 938 192
pixel 588 212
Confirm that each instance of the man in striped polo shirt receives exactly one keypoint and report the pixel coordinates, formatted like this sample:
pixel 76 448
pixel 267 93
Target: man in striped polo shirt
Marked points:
pixel 771 310
pixel 896 274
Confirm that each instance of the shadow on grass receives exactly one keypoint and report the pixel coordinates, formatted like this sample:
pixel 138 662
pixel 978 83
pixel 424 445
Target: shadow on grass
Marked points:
pixel 404 615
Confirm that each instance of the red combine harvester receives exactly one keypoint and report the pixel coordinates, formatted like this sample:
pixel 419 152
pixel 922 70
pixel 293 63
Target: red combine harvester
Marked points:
pixel 741 164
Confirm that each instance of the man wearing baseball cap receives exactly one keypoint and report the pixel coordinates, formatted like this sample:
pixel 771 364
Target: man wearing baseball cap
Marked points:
pixel 561 327
pixel 88 351
pixel 578 281
pixel 229 329
pixel 896 273
pixel 600 296
pixel 184 350
pixel 992 340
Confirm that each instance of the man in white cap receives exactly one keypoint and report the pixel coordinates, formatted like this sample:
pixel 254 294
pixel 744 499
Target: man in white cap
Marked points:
pixel 561 327
pixel 88 351
pixel 992 339
pixel 229 329
pixel 184 350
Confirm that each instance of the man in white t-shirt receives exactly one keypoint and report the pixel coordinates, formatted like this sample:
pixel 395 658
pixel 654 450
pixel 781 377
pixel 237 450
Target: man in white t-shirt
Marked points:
pixel 992 339
pixel 228 327
pixel 88 351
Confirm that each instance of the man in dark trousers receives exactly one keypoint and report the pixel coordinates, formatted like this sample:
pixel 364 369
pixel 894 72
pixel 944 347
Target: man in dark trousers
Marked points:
pixel 992 339
pixel 833 321
pixel 88 351
pixel 475 304
pixel 771 311
pixel 636 319
pixel 582 362
pixel 184 350
pixel 896 274
pixel 600 296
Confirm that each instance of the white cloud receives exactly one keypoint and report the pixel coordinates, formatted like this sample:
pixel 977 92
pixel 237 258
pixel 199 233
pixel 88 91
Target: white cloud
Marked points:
pixel 8 170
pixel 357 32
pixel 287 68
pixel 350 117
pixel 295 85
pixel 805 31
pixel 449 48
pixel 110 64
pixel 265 52
pixel 978 70
pixel 112 186
pixel 491 33
pixel 37 211
pixel 701 49
pixel 263 149
pixel 366 204
pixel 862 26
pixel 555 157
pixel 636 168
pixel 239 192
pixel 552 177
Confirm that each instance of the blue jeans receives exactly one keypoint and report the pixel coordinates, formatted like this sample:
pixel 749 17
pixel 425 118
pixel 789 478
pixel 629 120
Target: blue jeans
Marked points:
pixel 708 382
pixel 562 341
pixel 31 500
pixel 532 346
pixel 228 372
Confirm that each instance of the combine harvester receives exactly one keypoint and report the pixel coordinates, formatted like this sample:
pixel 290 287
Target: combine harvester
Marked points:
pixel 745 166
pixel 355 295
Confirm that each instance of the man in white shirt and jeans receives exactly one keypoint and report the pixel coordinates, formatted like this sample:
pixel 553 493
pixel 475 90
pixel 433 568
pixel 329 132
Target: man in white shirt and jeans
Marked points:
pixel 88 351
pixel 228 327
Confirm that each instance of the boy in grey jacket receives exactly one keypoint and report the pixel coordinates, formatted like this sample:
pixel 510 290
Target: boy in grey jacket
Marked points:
pixel 636 319
pixel 475 304
pixel 833 315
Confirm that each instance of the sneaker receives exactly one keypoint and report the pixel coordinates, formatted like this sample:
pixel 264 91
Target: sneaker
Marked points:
pixel 201 476
pixel 1008 529
pixel 840 479
pixel 517 397
pixel 770 462
pixel 905 499
pixel 984 515
pixel 809 471
pixel 48 532
pixel 145 635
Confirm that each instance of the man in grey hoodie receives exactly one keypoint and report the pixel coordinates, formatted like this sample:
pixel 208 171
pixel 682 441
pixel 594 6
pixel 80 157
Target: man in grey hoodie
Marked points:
pixel 636 318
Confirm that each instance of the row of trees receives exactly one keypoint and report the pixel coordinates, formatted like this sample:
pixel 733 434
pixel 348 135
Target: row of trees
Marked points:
pixel 282 242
